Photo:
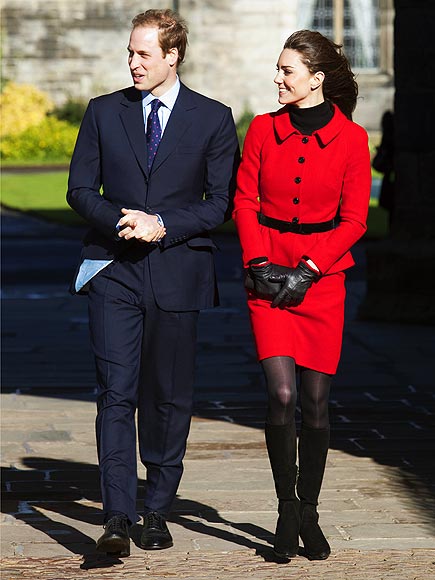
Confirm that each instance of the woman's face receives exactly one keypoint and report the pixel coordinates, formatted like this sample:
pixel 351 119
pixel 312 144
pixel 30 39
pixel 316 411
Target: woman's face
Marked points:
pixel 296 84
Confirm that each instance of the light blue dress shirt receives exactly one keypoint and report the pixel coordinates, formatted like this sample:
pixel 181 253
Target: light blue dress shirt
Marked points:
pixel 168 100
pixel 89 268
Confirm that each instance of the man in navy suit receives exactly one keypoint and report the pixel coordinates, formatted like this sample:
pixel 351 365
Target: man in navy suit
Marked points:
pixel 152 172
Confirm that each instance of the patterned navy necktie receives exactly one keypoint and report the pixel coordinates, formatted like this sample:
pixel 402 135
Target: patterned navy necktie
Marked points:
pixel 154 131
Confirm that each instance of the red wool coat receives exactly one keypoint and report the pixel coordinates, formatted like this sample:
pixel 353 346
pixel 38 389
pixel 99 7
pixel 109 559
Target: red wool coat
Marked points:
pixel 293 177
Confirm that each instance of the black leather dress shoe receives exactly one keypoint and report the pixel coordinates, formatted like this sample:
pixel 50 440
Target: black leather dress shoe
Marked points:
pixel 155 534
pixel 116 540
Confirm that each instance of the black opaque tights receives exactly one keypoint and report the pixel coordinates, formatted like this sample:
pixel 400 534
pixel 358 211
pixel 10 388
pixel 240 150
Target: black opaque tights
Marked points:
pixel 280 373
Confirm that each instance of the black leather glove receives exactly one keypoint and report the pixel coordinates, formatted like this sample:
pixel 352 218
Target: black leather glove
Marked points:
pixel 258 278
pixel 295 286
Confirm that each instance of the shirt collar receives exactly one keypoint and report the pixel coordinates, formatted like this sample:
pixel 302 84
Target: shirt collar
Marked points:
pixel 168 99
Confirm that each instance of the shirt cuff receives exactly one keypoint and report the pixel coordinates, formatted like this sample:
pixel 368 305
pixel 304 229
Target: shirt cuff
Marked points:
pixel 311 264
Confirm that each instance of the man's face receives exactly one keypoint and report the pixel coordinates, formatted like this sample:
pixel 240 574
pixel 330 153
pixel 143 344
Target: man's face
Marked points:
pixel 150 69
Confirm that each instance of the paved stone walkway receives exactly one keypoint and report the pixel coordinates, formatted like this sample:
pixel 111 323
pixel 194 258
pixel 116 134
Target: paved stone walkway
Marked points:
pixel 234 565
pixel 378 499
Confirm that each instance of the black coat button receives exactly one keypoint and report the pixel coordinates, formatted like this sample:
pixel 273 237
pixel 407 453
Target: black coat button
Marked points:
pixel 305 140
pixel 295 200
pixel 295 220
pixel 298 179
pixel 301 159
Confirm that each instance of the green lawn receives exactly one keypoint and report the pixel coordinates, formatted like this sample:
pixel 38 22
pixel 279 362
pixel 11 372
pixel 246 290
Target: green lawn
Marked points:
pixel 377 221
pixel 43 194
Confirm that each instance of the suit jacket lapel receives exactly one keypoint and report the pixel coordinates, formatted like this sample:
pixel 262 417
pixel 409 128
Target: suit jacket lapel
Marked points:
pixel 178 123
pixel 133 121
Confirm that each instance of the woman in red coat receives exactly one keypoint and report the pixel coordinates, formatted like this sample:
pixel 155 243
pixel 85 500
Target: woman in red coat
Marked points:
pixel 301 203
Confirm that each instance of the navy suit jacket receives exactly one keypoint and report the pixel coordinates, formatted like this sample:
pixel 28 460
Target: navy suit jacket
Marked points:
pixel 191 185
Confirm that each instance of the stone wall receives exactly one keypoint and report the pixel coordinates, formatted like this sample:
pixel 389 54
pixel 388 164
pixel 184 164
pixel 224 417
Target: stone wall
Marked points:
pixel 78 48
pixel 234 46
pixel 68 47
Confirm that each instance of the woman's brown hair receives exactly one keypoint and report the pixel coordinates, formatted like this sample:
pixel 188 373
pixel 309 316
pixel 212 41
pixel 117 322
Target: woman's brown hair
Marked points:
pixel 318 53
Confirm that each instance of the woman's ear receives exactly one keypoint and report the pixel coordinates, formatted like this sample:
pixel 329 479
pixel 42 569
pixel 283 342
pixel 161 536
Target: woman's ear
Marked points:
pixel 317 80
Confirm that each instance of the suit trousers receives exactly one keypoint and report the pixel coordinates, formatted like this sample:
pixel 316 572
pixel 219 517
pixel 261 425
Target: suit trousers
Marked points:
pixel 145 360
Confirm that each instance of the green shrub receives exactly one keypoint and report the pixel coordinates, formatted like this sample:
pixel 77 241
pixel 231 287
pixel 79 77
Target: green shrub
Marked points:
pixel 72 111
pixel 50 140
pixel 242 125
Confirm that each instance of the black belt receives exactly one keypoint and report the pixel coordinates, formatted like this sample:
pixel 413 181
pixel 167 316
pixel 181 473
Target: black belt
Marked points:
pixel 297 228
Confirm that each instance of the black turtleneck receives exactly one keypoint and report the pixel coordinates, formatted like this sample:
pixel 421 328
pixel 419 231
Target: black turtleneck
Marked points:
pixel 310 119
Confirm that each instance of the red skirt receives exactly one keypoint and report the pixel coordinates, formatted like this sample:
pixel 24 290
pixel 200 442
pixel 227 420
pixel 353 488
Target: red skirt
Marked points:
pixel 311 333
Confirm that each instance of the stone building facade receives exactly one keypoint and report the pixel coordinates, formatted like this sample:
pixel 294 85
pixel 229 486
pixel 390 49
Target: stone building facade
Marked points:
pixel 78 48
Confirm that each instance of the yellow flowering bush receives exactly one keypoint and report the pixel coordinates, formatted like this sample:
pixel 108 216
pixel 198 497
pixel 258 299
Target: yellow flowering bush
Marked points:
pixel 22 106
pixel 50 140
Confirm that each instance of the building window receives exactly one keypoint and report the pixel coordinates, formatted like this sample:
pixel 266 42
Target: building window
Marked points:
pixel 352 23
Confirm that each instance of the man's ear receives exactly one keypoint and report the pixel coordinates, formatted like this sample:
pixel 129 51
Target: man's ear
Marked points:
pixel 317 80
pixel 172 56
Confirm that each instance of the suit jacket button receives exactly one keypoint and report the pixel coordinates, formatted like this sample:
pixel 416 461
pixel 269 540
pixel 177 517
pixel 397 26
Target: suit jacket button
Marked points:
pixel 301 160
pixel 298 179
pixel 305 140
pixel 295 200
pixel 295 220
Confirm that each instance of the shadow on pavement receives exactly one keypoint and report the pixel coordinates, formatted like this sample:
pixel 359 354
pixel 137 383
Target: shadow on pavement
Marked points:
pixel 49 491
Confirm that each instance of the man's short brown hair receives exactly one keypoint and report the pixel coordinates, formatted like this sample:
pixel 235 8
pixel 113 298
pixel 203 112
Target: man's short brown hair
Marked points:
pixel 172 29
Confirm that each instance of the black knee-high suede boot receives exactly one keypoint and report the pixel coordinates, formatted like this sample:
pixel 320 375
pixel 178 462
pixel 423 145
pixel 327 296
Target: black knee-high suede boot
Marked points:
pixel 313 449
pixel 281 447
